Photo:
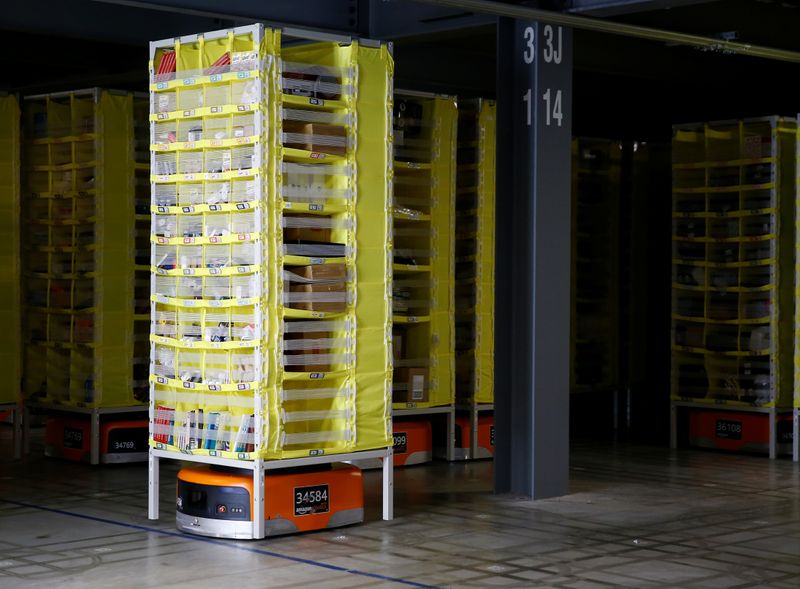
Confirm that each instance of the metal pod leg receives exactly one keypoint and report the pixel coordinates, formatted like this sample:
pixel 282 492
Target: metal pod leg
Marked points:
pixel 153 485
pixel 94 448
pixel 18 432
pixel 673 426
pixel 773 434
pixel 388 485
pixel 259 525
pixel 473 434
pixel 26 430
pixel 628 410
pixel 796 437
pixel 451 435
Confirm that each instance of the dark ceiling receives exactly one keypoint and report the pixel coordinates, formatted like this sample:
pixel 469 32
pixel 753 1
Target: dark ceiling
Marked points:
pixel 629 85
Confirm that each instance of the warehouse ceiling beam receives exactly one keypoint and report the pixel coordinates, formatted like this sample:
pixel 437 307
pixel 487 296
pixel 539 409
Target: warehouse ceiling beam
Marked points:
pixel 616 7
pixel 395 19
pixel 328 15
pixel 88 20
pixel 617 28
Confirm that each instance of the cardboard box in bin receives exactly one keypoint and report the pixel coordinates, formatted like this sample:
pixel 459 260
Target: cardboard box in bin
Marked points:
pixel 417 388
pixel 398 349
pixel 315 234
pixel 308 367
pixel 331 139
pixel 332 279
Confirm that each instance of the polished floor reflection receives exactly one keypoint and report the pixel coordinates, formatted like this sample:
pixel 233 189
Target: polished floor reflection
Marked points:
pixel 637 517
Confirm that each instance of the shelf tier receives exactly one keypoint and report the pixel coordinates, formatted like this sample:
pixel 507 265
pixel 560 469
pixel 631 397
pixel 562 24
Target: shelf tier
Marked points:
pixel 192 79
pixel 407 319
pixel 724 214
pixel 709 320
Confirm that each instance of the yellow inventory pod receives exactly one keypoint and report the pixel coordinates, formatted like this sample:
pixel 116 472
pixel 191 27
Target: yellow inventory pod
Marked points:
pixel 733 246
pixel 423 265
pixel 10 309
pixel 474 272
pixel 79 181
pixel 596 193
pixel 271 247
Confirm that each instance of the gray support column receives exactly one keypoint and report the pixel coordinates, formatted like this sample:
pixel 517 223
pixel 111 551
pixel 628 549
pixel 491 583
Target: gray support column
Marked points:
pixel 533 258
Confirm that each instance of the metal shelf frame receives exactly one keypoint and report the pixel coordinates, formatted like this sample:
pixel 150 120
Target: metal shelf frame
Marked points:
pixel 16 417
pixel 448 410
pixel 474 410
pixel 260 467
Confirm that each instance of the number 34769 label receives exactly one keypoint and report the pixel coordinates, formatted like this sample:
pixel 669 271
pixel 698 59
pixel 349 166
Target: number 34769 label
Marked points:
pixel 311 500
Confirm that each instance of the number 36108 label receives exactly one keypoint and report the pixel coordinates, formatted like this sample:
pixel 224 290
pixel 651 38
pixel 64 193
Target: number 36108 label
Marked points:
pixel 311 500
pixel 728 429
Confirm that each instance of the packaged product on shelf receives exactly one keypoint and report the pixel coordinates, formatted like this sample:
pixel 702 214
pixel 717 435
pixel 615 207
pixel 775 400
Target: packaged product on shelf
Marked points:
pixel 306 344
pixel 398 345
pixel 316 282
pixel 414 385
pixel 166 102
pixel 166 66
pixel 84 329
pixel 312 81
pixel 407 120
pixel 315 137
pixel 221 65
pixel 400 299
pixel 245 92
pixel 299 228
pixel 243 126
pixel 244 61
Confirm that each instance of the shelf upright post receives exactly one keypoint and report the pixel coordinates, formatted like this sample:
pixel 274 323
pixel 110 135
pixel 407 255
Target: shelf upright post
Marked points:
pixel 26 429
pixel 153 485
pixel 259 525
pixel 388 485
pixel 773 424
pixel 673 425
pixel 94 431
pixel 18 431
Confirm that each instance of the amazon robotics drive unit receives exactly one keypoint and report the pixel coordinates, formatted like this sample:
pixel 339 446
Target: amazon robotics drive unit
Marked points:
pixel 218 501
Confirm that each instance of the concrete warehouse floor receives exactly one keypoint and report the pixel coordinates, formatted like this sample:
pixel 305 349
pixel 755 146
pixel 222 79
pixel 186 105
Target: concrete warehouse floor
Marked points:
pixel 637 517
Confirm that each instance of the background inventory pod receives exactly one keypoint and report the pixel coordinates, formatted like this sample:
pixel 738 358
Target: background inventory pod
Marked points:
pixel 463 438
pixel 218 501
pixel 733 243
pixel 69 437
pixel 739 431
pixel 412 444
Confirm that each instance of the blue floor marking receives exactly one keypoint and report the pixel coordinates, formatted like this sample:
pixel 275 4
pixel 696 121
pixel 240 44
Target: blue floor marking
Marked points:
pixel 226 544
